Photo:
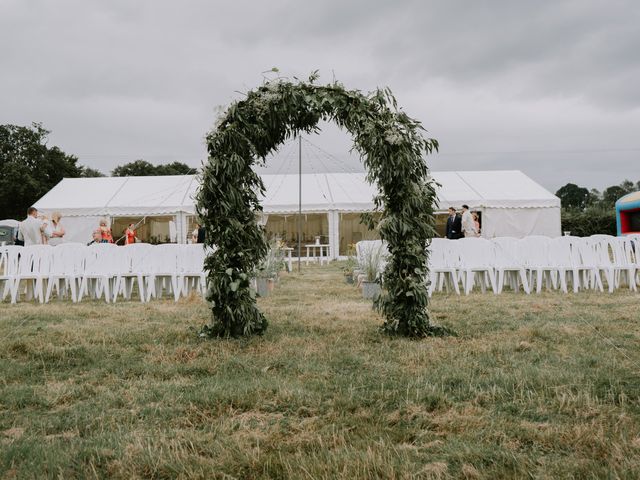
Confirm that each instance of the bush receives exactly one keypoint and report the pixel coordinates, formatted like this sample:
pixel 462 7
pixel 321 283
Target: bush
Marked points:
pixel 592 221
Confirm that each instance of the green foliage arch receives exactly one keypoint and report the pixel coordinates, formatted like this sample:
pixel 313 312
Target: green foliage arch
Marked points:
pixel 392 148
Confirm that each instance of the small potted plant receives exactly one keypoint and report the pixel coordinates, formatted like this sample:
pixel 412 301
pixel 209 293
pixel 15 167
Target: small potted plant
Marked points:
pixel 267 272
pixel 350 266
pixel 372 261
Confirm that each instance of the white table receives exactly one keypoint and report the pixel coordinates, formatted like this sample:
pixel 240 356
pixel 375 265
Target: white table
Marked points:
pixel 318 252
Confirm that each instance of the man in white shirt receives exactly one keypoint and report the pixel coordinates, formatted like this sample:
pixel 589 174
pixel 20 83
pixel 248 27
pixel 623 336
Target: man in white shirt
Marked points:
pixel 468 225
pixel 31 229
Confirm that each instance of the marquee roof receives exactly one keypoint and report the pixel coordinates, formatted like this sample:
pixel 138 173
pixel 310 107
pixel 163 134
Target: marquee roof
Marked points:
pixel 163 195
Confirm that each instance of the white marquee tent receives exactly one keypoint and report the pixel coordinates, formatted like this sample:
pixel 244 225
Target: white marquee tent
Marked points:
pixel 510 202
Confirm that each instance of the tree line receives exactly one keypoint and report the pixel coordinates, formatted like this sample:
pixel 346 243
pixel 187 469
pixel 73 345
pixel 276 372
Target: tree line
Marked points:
pixel 29 168
pixel 590 212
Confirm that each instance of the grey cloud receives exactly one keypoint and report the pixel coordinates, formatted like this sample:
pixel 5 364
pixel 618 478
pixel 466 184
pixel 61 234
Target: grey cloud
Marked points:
pixel 121 80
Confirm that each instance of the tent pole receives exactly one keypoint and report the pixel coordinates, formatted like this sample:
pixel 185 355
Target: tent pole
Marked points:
pixel 299 200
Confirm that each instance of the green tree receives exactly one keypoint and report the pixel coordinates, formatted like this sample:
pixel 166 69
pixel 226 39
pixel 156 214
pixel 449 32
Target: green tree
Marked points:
pixel 139 168
pixel 591 221
pixel 87 172
pixel 29 167
pixel 628 186
pixel 594 197
pixel 142 168
pixel 573 196
pixel 611 194
pixel 175 168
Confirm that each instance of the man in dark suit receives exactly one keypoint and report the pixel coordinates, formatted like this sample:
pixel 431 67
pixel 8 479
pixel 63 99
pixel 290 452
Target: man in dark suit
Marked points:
pixel 201 234
pixel 454 225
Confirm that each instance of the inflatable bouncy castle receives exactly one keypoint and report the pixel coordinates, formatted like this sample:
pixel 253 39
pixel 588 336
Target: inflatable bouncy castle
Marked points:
pixel 628 214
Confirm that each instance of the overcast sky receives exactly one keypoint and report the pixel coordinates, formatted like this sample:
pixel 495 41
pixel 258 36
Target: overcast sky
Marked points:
pixel 551 88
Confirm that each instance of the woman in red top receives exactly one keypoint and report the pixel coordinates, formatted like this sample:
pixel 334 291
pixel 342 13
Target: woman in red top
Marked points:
pixel 130 235
pixel 106 232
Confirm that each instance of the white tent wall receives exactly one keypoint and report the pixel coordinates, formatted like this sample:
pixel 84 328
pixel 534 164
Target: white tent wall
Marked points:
pixel 80 229
pixel 520 222
pixel 511 203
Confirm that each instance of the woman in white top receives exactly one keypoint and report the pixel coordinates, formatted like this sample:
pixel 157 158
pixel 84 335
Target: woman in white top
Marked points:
pixel 468 227
pixel 57 230
pixel 194 234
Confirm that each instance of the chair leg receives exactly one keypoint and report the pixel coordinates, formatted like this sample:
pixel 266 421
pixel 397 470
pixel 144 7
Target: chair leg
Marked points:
pixel 482 277
pixel 611 280
pixel 15 288
pixel 49 292
pixel 562 276
pixel 454 281
pixel 73 289
pixel 539 281
pixel 492 282
pixel 175 284
pixel 469 282
pixel 525 284
pixel 141 288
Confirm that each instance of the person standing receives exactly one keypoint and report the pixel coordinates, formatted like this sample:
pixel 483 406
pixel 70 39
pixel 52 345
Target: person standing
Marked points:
pixel 454 225
pixel 57 230
pixel 130 234
pixel 46 228
pixel 468 226
pixel 97 237
pixel 194 234
pixel 106 232
pixel 476 222
pixel 201 234
pixel 31 229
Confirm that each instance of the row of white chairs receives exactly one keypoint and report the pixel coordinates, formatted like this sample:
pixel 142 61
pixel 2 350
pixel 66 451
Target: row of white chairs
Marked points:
pixel 530 263
pixel 100 271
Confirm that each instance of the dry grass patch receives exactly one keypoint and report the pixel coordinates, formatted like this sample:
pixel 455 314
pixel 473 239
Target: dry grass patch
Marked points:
pixel 543 386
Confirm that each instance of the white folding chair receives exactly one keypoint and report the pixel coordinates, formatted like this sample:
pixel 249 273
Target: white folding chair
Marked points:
pixel 625 261
pixel 614 260
pixel 103 264
pixel 534 253
pixel 634 245
pixel 477 264
pixel 135 267
pixel 191 264
pixel 67 267
pixel 584 259
pixel 444 260
pixel 33 268
pixel 9 256
pixel 164 271
pixel 508 266
pixel 561 256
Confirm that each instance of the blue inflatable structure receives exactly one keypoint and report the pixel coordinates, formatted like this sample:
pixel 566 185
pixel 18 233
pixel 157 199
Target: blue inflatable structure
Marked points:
pixel 628 214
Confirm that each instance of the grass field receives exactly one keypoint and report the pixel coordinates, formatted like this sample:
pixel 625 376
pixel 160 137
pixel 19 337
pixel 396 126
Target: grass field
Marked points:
pixel 543 386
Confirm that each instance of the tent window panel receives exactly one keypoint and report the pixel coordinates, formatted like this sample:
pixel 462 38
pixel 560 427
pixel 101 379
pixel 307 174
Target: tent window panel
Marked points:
pixel 285 228
pixel 192 222
pixel 153 230
pixel 441 224
pixel 352 231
